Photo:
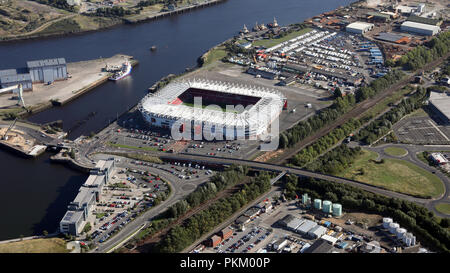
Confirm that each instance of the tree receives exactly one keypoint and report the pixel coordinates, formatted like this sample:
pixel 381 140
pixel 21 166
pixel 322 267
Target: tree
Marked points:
pixel 445 222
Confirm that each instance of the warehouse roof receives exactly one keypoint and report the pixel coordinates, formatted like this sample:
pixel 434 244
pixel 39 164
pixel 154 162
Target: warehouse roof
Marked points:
pixel 420 26
pixel 295 223
pixel 378 14
pixel 424 20
pixel 317 231
pixel 46 62
pixel 15 78
pixel 442 102
pixel 359 25
pixel 319 246
pixel 8 72
pixel 306 226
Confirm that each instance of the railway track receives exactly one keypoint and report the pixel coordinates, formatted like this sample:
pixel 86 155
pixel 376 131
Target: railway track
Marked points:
pixel 357 111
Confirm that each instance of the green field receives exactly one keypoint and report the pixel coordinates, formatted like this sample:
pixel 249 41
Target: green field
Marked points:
pixel 443 208
pixel 52 245
pixel 215 54
pixel 395 175
pixel 395 151
pixel 271 42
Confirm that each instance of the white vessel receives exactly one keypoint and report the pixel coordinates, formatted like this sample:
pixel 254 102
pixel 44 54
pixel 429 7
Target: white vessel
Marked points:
pixel 123 72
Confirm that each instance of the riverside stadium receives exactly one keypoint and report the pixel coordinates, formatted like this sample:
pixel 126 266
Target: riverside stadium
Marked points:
pixel 228 110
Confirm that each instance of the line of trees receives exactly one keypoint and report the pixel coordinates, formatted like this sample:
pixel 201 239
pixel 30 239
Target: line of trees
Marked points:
pixel 218 182
pixel 421 55
pixel 181 236
pixel 340 106
pixel 415 218
pixel 112 12
pixel 313 150
pixel 335 161
pixel 383 124
pixel 201 194
pixel 60 4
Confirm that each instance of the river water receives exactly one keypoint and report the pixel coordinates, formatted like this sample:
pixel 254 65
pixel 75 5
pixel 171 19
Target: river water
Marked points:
pixel 35 193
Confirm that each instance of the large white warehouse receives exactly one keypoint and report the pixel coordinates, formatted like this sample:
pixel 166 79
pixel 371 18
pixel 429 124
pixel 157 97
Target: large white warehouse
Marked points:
pixel 359 27
pixel 419 28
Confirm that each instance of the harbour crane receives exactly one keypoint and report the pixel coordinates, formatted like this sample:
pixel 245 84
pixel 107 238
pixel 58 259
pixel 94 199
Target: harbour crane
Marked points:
pixel 5 136
pixel 16 89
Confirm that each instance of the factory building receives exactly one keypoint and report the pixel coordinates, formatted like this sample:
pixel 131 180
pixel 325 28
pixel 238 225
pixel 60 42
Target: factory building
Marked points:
pixel 48 70
pixel 419 28
pixel 317 232
pixel 320 246
pixel 440 104
pixel 79 209
pixel 359 27
pixel 10 77
pixel 305 227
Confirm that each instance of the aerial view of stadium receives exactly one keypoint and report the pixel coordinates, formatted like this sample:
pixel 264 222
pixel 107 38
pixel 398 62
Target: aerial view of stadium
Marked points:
pixel 253 108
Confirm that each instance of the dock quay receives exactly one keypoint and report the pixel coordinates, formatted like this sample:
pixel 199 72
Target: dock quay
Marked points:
pixel 83 76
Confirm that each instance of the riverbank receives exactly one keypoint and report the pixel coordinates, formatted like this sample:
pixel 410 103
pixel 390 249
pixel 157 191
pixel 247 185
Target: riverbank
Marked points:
pixel 73 23
pixel 84 76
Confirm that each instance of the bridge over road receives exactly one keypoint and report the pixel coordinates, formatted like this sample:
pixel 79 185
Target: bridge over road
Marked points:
pixel 215 160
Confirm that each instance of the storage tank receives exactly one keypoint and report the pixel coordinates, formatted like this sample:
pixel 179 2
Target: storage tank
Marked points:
pixel 393 227
pixel 327 206
pixel 400 233
pixel 304 198
pixel 317 204
pixel 407 241
pixel 387 222
pixel 337 210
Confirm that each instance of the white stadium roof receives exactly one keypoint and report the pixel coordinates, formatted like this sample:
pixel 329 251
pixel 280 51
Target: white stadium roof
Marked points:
pixel 258 117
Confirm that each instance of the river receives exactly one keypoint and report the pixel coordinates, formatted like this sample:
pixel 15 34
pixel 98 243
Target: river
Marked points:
pixel 180 40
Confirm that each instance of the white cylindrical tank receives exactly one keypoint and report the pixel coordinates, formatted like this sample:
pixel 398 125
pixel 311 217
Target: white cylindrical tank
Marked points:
pixel 393 227
pixel 337 210
pixel 387 222
pixel 327 206
pixel 407 241
pixel 304 198
pixel 400 233
pixel 317 204
pixel 413 240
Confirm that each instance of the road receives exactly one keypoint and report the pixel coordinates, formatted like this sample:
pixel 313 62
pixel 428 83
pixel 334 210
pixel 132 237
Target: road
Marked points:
pixel 411 157
pixel 177 194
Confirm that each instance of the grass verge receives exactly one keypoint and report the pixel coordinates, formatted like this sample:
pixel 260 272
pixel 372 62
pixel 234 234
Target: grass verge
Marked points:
pixel 395 175
pixel 395 151
pixel 443 208
pixel 51 245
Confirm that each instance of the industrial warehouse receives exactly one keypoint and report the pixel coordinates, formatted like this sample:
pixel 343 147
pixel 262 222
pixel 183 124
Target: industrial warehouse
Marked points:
pixel 440 104
pixel 253 108
pixel 40 71
pixel 305 226
pixel 90 192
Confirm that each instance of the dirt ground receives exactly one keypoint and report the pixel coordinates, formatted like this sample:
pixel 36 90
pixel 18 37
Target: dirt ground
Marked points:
pixel 16 138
